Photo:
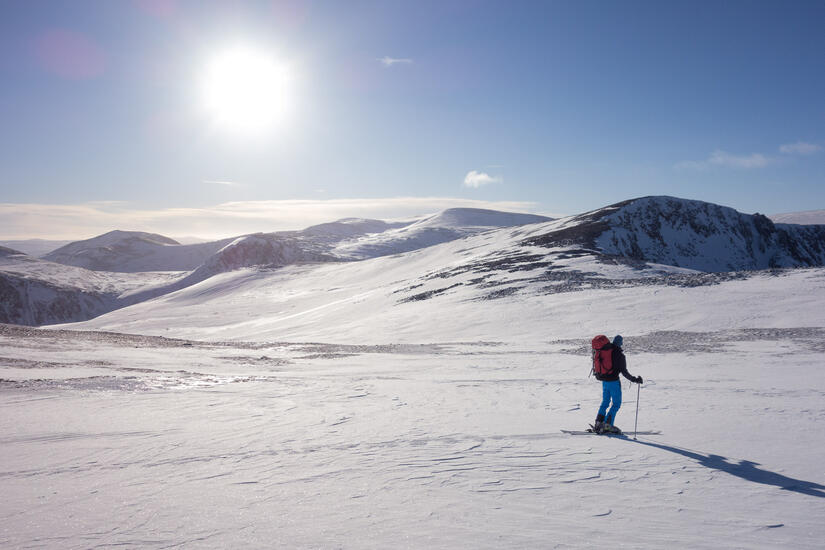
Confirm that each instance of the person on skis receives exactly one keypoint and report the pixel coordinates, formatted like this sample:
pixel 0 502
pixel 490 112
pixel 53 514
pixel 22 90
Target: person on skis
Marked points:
pixel 611 387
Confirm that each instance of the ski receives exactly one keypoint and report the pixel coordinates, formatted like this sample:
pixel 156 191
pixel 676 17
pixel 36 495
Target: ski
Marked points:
pixel 623 434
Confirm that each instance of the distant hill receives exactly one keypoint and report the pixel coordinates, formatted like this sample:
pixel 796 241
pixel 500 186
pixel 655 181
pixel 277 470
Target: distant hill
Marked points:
pixel 445 226
pixel 808 217
pixel 39 292
pixel 34 247
pixel 350 238
pixel 134 251
pixel 9 252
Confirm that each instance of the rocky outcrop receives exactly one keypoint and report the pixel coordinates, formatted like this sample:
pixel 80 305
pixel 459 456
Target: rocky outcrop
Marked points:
pixel 691 234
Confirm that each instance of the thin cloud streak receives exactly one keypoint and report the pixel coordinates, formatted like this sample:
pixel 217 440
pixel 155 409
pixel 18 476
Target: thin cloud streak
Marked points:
pixel 800 148
pixel 727 160
pixel 81 221
pixel 226 183
pixel 388 61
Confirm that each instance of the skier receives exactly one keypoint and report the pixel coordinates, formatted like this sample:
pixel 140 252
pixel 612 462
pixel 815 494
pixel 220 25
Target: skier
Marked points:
pixel 612 389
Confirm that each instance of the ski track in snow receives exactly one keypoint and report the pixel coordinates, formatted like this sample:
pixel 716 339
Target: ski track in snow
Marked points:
pixel 120 440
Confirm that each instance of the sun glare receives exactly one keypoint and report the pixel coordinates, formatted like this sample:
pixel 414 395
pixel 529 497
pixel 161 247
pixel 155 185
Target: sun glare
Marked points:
pixel 246 90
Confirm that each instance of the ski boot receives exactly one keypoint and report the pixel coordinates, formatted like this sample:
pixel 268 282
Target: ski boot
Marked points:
pixel 611 429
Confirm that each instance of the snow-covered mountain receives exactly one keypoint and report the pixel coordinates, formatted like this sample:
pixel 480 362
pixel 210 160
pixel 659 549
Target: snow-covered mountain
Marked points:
pixel 693 234
pixel 349 238
pixel 134 251
pixel 445 226
pixel 39 292
pixel 261 250
pixel 651 240
pixel 658 245
pixel 808 217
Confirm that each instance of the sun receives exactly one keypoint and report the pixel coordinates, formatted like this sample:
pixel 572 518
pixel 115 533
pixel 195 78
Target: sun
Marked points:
pixel 246 90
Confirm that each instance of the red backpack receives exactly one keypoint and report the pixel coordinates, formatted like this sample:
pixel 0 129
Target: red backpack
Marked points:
pixel 602 356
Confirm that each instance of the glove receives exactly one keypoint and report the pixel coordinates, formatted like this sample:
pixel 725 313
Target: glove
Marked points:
pixel 639 380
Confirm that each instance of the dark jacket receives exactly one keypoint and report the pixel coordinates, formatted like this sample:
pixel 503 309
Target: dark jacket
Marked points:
pixel 619 366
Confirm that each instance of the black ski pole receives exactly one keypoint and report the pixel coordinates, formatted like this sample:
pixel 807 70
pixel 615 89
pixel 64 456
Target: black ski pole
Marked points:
pixel 636 425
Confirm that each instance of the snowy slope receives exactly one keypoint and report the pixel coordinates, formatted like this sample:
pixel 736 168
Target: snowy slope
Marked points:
pixel 265 251
pixel 38 292
pixel 111 440
pixel 134 251
pixel 461 289
pixel 445 226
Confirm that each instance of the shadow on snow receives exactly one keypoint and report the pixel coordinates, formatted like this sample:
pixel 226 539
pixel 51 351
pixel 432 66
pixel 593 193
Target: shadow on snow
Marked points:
pixel 745 469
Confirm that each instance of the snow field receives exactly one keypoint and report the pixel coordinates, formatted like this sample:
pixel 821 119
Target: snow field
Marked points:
pixel 116 440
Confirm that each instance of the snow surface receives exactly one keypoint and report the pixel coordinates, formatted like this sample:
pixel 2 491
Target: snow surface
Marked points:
pixel 112 440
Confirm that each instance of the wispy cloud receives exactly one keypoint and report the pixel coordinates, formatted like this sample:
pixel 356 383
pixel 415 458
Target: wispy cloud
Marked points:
pixel 388 61
pixel 800 148
pixel 226 183
pixel 476 179
pixel 728 160
pixel 81 221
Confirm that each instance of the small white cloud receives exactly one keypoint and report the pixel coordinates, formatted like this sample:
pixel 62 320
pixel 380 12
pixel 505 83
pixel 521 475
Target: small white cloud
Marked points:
pixel 476 179
pixel 723 158
pixel 800 148
pixel 388 61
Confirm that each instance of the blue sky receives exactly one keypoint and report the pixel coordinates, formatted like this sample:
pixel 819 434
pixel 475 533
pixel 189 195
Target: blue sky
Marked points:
pixel 399 108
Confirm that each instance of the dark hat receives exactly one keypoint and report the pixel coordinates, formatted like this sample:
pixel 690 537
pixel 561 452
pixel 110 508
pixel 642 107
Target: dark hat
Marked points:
pixel 617 340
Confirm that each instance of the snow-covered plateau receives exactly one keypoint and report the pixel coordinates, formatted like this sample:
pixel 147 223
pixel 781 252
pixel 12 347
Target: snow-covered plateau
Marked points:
pixel 288 395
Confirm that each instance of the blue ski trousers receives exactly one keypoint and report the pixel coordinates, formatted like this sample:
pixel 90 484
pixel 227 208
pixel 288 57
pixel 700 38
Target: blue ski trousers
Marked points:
pixel 611 391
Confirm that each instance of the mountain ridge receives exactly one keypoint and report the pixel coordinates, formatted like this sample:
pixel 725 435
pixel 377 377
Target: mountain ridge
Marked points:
pixel 654 240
